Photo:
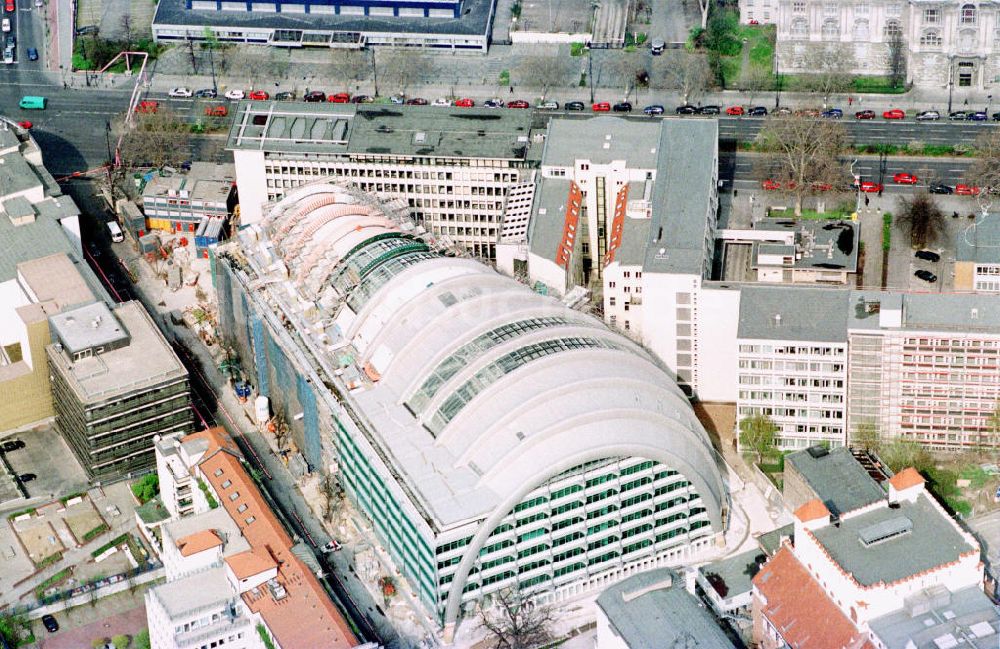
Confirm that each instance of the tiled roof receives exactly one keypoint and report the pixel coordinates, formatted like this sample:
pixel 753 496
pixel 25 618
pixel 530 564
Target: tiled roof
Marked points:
pixel 798 608
pixel 908 477
pixel 250 563
pixel 303 596
pixel 198 542
pixel 812 510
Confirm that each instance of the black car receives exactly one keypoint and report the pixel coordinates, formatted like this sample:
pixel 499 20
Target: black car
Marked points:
pixel 315 96
pixel 574 105
pixel 686 109
pixel 26 477
pixel 32 54
pixel 709 110
pixel 978 116
pixel 941 189
pixel 493 103
pixel 12 445
pixel 285 96
pixel 50 623
pixel 416 101
pixel 996 116
pixel 622 107
pixel 757 111
pixel 927 255
pixel 206 93
pixel 925 275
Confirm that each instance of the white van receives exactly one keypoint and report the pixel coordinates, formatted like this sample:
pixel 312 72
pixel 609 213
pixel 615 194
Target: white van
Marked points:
pixel 116 232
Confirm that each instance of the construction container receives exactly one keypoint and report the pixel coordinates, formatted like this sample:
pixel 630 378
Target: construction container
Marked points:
pixel 210 231
pixel 149 243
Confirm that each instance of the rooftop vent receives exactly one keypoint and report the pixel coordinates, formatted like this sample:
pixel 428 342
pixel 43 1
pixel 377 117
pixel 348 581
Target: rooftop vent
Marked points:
pixel 817 451
pixel 885 531
pixel 419 137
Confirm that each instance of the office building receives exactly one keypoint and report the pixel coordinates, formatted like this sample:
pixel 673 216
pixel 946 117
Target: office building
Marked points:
pixel 181 202
pixel 233 575
pixel 439 24
pixel 779 251
pixel 455 168
pixel 467 416
pixel 977 257
pixel 835 476
pixel 116 384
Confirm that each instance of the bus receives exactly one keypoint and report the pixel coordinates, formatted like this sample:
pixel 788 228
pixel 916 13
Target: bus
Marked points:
pixel 33 103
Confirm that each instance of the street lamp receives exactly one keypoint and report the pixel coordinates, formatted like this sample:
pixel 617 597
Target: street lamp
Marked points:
pixel 989 104
pixel 777 84
pixel 857 187
pixel 951 81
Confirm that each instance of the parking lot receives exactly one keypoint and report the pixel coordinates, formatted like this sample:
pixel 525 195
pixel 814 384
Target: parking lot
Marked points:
pixel 46 455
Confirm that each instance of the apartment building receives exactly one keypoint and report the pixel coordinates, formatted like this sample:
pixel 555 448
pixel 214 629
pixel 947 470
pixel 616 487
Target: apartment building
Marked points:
pixel 792 364
pixel 437 388
pixel 457 169
pixel 116 384
pixel 952 44
pixel 893 572
pixel 758 12
pixel 181 202
pixel 233 575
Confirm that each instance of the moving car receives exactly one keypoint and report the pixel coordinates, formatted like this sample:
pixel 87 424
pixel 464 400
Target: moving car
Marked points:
pixel 655 109
pixel 235 93
pixel 807 112
pixel 622 107
pixel 904 178
pixel 894 113
pixel 180 92
pixel 832 113
pixel 206 93
pixel 339 98
pixel 259 95
pixel 996 116
pixel 465 102
pixel 548 105
pixel 147 106
pixel 574 105
pixel 864 114
pixel 735 111
pixel 927 255
pixel 600 107
pixel 966 190
pixel 686 109
pixel 783 110
pixel 518 103
pixel 709 110
pixel 758 111
pixel 286 95
pixel 870 187
pixel 925 275
pixel 32 54
pixel 216 111
pixel 416 101
pixel 493 103
pixel 941 189
pixel 441 101
pixel 821 186
pixel 12 445
pixel 50 623
pixel 928 116
pixel 314 96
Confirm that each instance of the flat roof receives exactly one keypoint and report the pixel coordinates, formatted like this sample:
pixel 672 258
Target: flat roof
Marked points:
pixel 959 312
pixel 86 327
pixel 967 614
pixel 55 278
pixel 821 245
pixel 147 360
pixel 795 313
pixel 932 541
pixel 734 575
pixel 195 591
pixel 16 175
pixel 602 139
pixel 980 242
pixel 836 478
pixel 548 217
pixel 653 609
pixel 206 181
pixel 474 21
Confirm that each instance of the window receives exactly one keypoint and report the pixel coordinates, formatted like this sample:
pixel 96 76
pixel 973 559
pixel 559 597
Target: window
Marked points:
pixel 831 10
pixel 800 28
pixel 233 496
pixel 894 9
pixel 831 29
pixel 799 7
pixel 250 519
pixel 242 508
pixel 861 9
pixel 217 473
pixel 861 32
pixel 931 38
pixel 968 15
pixel 891 30
pixel 226 483
pixel 932 16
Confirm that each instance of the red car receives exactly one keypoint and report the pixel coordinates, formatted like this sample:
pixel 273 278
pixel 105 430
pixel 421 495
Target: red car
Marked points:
pixel 770 185
pixel 904 178
pixel 25 124
pixel 259 95
pixel 821 187
pixel 147 106
pixel 9 5
pixel 340 98
pixel 465 103
pixel 754 21
pixel 601 107
pixel 216 111
pixel 518 103
pixel 895 113
pixel 735 111
pixel 966 190
pixel 870 187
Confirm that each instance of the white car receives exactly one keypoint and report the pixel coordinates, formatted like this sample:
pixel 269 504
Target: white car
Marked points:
pixel 180 92
pixel 441 101
pixel 5 25
pixel 235 94
pixel 332 546
pixel 8 56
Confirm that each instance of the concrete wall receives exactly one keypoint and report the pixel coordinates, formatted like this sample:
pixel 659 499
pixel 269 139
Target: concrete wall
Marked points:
pixel 251 184
pixel 27 398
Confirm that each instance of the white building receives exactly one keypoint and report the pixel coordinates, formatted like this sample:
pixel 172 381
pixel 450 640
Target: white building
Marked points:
pixel 457 169
pixel 946 44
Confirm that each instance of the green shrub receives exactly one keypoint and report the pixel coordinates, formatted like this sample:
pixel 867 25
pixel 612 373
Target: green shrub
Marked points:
pixel 146 488
pixel 57 578
pixel 118 540
pixel 30 510
pixel 49 560
pixel 142 639
pixel 120 641
pixel 886 231
pixel 576 49
pixel 94 533
pixel 265 637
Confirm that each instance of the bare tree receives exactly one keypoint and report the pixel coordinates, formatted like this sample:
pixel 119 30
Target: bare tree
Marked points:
pixel 985 171
pixel 156 139
pixel 128 29
pixel 803 155
pixel 687 72
pixel 922 218
pixel 897 59
pixel 332 492
pixel 514 622
pixel 348 66
pixel 755 79
pixel 831 70
pixel 545 72
pixel 400 67
pixel 281 431
pixel 620 72
pixel 279 61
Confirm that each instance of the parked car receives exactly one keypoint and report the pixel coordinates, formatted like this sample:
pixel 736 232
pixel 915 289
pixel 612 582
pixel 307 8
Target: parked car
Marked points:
pixel 864 114
pixel 180 92
pixel 894 113
pixel 50 623
pixel 5 25
pixel 259 95
pixel 493 103
pixel 758 111
pixel 10 40
pixel 235 93
pixel 518 103
pixel 927 255
pixel 26 477
pixel 655 109
pixel 11 445
pixel 735 111
pixel 206 93
pixel 996 116
pixel 904 178
pixel 925 275
pixel 362 99
pixel 771 185
pixel 25 124
pixel 465 102
pixel 686 109
pixel 928 116
pixel 958 115
pixel 332 546
pixel 216 111
pixel 709 110
pixel 600 107
pixel 416 101
pixel 441 101
pixel 821 187
pixel 783 110
pixel 314 96
pixel 398 99
pixel 941 189
pixel 574 105
pixel 339 98
pixel 32 54
pixel 832 113
pixel 871 187
pixel 9 6
pixel 966 190
pixel 622 107
pixel 147 106
pixel 285 95
pixel 548 105
pixel 978 116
